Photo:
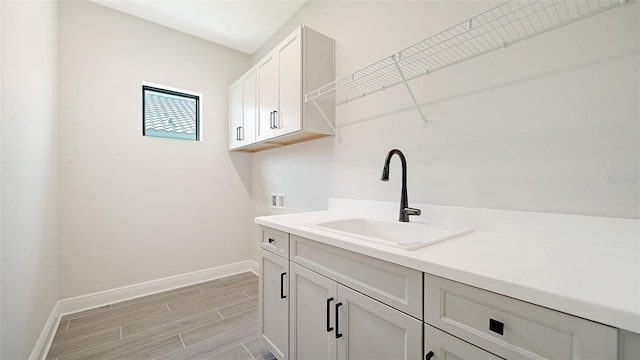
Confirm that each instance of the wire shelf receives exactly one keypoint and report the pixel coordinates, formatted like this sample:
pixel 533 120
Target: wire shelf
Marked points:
pixel 496 28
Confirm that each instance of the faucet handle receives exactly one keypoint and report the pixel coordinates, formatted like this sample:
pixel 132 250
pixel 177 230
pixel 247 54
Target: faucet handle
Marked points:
pixel 411 211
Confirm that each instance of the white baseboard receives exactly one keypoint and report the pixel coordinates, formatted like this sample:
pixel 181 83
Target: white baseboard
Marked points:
pixel 97 299
pixel 46 336
pixel 90 301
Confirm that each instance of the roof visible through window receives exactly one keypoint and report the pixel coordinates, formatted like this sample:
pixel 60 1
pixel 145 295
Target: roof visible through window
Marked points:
pixel 170 114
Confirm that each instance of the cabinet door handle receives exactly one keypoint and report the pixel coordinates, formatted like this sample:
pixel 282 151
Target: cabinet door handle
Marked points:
pixel 429 355
pixel 271 120
pixel 496 326
pixel 275 119
pixel 271 240
pixel 329 328
pixel 240 133
pixel 338 335
pixel 282 295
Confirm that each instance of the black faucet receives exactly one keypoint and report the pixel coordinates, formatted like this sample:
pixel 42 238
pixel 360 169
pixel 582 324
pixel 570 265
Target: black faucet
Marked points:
pixel 405 210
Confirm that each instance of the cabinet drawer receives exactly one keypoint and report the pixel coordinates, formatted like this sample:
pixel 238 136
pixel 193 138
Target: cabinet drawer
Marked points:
pixel 512 328
pixel 445 346
pixel 275 241
pixel 394 285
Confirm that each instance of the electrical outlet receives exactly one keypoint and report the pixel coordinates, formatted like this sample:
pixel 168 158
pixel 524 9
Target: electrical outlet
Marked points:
pixel 277 200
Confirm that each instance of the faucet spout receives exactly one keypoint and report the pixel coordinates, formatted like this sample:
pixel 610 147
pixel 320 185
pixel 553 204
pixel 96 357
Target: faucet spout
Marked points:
pixel 405 210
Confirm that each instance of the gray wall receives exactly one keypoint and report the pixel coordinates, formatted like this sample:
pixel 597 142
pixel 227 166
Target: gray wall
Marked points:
pixel 550 124
pixel 134 208
pixel 29 249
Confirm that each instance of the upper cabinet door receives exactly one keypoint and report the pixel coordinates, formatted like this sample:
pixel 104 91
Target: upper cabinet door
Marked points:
pixel 267 72
pixel 289 55
pixel 248 131
pixel 235 114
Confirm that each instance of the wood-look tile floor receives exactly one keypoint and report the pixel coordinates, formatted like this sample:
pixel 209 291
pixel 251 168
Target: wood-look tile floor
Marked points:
pixel 217 319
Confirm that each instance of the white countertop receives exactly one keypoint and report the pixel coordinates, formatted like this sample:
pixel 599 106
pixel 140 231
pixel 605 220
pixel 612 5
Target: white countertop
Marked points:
pixel 591 281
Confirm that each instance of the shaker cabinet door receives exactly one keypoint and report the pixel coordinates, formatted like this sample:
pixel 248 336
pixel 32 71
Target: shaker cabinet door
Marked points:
pixel 274 303
pixel 312 315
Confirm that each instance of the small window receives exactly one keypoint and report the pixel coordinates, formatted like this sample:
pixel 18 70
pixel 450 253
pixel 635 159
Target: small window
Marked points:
pixel 170 114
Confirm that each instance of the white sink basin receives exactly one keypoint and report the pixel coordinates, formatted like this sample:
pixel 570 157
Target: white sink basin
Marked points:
pixel 408 236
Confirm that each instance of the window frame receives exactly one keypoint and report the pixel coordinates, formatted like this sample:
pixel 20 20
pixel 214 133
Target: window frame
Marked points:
pixel 175 92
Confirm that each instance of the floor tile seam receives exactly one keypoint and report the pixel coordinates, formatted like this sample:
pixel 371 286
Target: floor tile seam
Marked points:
pixel 243 301
pixel 111 327
pixel 73 316
pixel 219 320
pixel 208 300
pixel 173 322
pixel 219 313
pixel 153 341
pixel 125 316
pixel 252 339
pixel 182 341
pixel 241 283
pixel 151 297
pixel 251 323
pixel 247 350
pixel 152 305
pixel 240 311
pixel 224 292
pixel 222 321
pixel 234 282
pixel 54 343
pixel 150 340
pixel 223 350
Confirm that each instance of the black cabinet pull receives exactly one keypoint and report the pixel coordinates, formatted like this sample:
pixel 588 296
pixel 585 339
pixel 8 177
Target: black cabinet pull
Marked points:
pixel 275 119
pixel 429 355
pixel 271 241
pixel 329 328
pixel 338 335
pixel 282 295
pixel 496 326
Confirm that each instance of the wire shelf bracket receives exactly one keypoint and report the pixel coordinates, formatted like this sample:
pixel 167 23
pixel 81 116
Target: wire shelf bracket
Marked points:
pixel 493 29
pixel 406 84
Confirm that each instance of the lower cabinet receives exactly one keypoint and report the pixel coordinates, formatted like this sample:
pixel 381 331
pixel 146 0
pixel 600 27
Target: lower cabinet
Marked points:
pixel 331 321
pixel 438 345
pixel 274 303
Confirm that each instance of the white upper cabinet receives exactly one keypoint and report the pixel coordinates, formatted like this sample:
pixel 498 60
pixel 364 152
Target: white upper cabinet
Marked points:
pixel 243 110
pixel 302 62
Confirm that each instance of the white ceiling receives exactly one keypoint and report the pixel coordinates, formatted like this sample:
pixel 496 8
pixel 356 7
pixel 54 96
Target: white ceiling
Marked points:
pixel 238 24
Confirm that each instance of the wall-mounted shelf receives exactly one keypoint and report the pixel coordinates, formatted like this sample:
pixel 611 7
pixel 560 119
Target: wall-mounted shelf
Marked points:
pixel 496 28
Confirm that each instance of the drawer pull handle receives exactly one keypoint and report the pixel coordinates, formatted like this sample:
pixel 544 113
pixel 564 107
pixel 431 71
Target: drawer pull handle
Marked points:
pixel 329 328
pixel 429 355
pixel 282 295
pixel 496 326
pixel 271 241
pixel 338 335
